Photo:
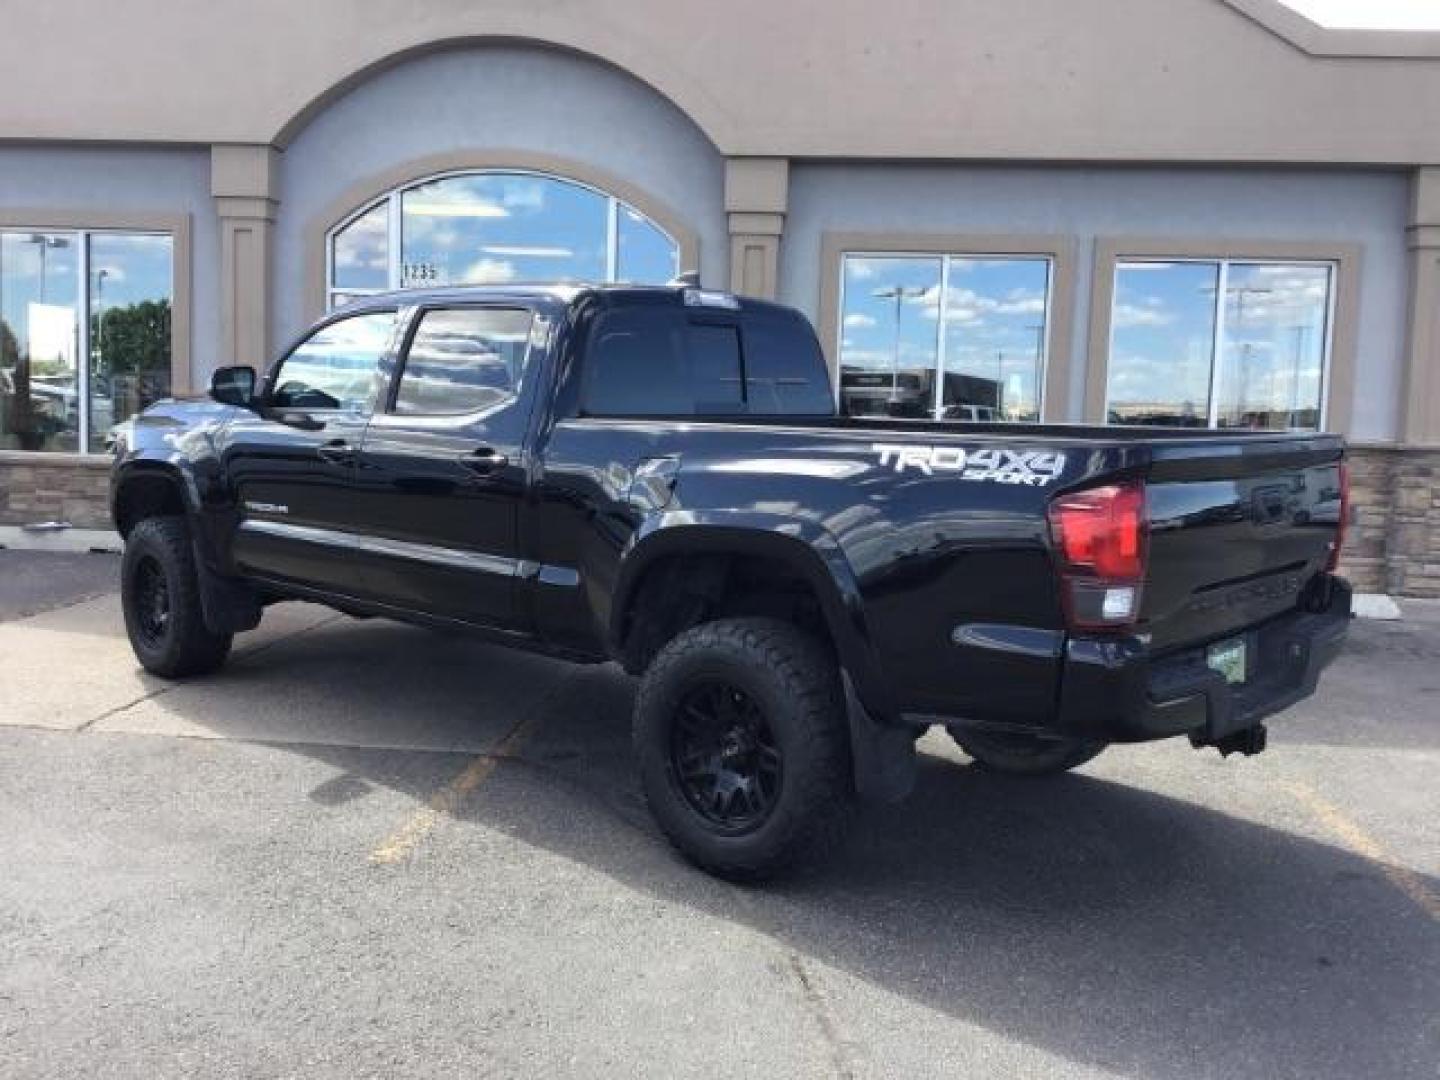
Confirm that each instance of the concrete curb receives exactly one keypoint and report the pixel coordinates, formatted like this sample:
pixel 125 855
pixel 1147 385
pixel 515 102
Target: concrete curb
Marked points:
pixel 1376 606
pixel 62 538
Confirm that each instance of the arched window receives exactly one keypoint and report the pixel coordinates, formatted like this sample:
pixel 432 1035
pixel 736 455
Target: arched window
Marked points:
pixel 493 226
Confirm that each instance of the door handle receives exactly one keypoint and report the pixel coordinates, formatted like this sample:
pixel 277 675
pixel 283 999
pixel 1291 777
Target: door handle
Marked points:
pixel 484 460
pixel 336 452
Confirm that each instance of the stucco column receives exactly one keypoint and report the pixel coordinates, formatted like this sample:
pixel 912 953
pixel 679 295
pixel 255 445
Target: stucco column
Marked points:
pixel 1420 407
pixel 757 193
pixel 244 182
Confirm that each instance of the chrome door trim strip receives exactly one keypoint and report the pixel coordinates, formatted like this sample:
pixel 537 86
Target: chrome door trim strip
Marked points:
pixel 289 531
pixel 563 576
pixel 433 554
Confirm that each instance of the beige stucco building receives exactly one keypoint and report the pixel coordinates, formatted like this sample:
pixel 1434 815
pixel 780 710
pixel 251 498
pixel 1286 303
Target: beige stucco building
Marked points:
pixel 1209 212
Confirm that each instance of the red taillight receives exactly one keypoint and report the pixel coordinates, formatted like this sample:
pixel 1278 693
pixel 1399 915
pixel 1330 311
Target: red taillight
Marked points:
pixel 1333 563
pixel 1100 542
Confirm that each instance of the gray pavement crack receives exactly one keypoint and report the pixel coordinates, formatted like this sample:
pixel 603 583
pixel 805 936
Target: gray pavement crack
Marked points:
pixel 240 657
pixel 837 1046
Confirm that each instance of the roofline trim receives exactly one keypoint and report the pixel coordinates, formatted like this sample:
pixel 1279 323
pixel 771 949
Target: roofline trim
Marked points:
pixel 1329 43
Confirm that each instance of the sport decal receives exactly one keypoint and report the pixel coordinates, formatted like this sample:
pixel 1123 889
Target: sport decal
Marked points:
pixel 996 464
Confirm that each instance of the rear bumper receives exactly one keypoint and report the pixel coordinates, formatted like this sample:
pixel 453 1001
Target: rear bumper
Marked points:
pixel 1114 690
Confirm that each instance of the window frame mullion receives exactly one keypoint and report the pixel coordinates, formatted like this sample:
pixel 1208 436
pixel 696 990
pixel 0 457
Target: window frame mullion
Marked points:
pixel 937 405
pixel 1217 345
pixel 82 330
pixel 612 238
pixel 393 238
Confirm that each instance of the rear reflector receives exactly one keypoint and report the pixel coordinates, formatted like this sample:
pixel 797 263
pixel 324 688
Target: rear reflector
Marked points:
pixel 1337 545
pixel 1100 546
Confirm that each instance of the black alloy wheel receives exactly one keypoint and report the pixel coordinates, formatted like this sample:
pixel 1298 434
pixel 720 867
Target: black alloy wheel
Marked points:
pixel 743 745
pixel 724 757
pixel 152 602
pixel 160 596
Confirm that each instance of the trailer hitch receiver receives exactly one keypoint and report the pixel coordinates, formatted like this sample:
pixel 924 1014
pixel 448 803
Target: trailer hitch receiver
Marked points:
pixel 1248 741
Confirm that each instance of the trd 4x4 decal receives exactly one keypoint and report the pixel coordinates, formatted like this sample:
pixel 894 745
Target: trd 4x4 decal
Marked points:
pixel 994 463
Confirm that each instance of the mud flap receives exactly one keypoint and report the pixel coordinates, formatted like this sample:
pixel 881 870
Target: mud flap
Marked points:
pixel 883 755
pixel 229 606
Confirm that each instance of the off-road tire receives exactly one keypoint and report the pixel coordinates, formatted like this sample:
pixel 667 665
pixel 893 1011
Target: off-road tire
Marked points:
pixel 176 643
pixel 794 683
pixel 1017 754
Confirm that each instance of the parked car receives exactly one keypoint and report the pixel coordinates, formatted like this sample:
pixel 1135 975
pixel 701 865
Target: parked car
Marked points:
pixel 972 412
pixel 656 476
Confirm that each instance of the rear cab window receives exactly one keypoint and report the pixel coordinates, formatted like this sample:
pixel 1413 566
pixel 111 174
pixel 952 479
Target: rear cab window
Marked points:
pixel 664 360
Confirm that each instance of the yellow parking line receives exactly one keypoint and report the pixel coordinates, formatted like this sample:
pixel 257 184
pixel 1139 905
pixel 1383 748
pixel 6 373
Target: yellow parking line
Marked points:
pixel 444 802
pixel 1367 847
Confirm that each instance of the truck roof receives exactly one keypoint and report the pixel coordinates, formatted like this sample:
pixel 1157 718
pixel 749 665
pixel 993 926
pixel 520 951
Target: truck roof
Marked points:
pixel 559 294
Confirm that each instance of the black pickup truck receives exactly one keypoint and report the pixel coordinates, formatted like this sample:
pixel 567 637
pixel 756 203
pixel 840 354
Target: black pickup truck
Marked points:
pixel 657 476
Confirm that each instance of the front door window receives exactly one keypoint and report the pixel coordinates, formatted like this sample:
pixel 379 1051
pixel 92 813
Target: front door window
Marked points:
pixel 337 367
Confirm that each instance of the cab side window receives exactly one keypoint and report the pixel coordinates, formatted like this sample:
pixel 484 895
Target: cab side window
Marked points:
pixel 336 367
pixel 462 360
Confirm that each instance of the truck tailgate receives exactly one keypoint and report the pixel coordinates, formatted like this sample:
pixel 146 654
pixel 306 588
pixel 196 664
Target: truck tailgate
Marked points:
pixel 1238 528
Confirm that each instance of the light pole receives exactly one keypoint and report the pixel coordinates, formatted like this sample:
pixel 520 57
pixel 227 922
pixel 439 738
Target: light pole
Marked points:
pixel 899 293
pixel 1239 292
pixel 1039 329
pixel 44 242
pixel 1299 332
pixel 100 276
pixel 1246 349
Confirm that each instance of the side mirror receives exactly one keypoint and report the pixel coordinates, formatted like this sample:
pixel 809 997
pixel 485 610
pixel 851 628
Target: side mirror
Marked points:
pixel 234 385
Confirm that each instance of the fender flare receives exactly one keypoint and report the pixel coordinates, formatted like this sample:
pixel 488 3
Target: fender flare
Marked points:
pixel 170 472
pixel 804 546
pixel 229 606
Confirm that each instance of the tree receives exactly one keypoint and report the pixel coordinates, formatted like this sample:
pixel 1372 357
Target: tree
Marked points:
pixel 134 339
pixel 132 356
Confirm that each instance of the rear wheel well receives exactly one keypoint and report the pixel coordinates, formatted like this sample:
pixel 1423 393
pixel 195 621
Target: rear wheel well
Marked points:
pixel 145 496
pixel 684 590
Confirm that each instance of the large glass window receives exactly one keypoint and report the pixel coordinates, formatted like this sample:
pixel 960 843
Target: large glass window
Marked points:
pixel 130 335
pixel 945 337
pixel 85 334
pixel 487 227
pixel 1219 343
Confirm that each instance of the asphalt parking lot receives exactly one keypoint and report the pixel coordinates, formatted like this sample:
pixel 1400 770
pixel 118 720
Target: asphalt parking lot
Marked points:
pixel 367 850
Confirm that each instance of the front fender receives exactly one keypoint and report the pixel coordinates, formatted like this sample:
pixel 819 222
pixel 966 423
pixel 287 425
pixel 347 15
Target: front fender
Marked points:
pixel 804 546
pixel 174 442
pixel 129 472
